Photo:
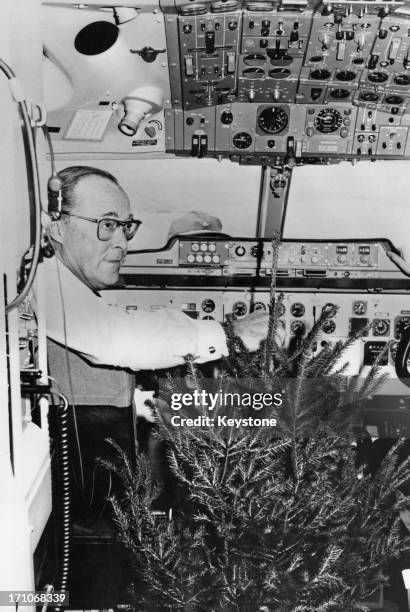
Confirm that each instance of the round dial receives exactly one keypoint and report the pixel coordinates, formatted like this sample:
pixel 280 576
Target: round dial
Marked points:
pixel 381 327
pixel 377 77
pixel 239 309
pixel 400 325
pixel 208 305
pixel 330 309
pixel 359 307
pixel 320 74
pixel 298 328
pixel 254 59
pixel 339 94
pixel 279 73
pixel 242 140
pixel 328 120
pixel 392 99
pixel 281 310
pixel 297 309
pixel 253 73
pixel 402 79
pixel 345 75
pixel 273 120
pixel 258 306
pixel 329 326
pixel 369 96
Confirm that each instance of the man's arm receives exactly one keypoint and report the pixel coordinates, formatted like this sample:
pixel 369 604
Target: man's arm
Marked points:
pixel 109 335
pixel 402 260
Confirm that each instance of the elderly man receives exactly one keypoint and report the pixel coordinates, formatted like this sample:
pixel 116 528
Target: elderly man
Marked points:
pixel 93 347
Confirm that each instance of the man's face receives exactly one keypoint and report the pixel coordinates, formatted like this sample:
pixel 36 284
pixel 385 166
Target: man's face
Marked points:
pixel 97 261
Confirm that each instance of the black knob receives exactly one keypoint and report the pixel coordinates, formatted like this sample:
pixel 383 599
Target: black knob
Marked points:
pixel 294 36
pixel 382 34
pixel 263 43
pixel 232 25
pixel 349 35
pixel 339 35
pixel 265 23
pixel 187 29
pixel 373 62
pixel 251 24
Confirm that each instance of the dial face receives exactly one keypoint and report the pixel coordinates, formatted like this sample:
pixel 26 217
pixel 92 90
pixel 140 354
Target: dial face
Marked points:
pixel 381 327
pixel 359 307
pixel 320 74
pixel 254 59
pixel 340 94
pixel 328 120
pixel 281 310
pixel 369 96
pixel 208 305
pixel 345 75
pixel 239 309
pixel 297 309
pixel 279 73
pixel 330 309
pixel 377 77
pixel 329 327
pixel 273 120
pixel 242 140
pixel 402 79
pixel 253 73
pixel 400 325
pixel 298 328
pixel 258 306
pixel 392 99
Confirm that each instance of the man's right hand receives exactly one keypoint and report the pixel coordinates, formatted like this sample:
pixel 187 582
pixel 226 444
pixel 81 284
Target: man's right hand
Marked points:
pixel 402 260
pixel 252 329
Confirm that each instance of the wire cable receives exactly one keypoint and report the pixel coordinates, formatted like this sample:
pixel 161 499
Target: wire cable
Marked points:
pixel 35 196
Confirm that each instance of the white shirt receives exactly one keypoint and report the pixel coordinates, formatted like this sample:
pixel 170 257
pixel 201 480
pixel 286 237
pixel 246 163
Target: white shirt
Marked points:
pixel 110 335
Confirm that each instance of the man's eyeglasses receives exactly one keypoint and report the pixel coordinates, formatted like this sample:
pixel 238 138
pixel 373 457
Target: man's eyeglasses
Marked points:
pixel 106 226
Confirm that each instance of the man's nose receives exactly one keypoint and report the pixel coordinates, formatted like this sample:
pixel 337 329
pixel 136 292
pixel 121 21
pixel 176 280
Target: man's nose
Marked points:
pixel 119 239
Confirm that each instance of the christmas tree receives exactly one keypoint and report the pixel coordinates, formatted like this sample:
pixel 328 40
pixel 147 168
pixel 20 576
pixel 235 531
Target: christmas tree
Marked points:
pixel 281 519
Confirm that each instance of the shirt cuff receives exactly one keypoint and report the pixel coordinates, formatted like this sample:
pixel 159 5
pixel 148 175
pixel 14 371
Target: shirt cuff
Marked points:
pixel 211 341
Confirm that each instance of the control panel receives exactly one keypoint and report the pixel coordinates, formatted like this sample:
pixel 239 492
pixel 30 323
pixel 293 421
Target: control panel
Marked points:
pixel 259 80
pixel 230 260
pixel 378 318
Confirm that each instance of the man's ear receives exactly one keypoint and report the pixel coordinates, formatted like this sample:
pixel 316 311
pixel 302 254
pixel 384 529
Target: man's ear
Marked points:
pixel 56 231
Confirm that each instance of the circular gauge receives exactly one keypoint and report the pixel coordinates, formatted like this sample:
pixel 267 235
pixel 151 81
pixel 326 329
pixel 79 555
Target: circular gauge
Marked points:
pixel 330 309
pixel 193 9
pixel 242 140
pixel 279 73
pixel 253 73
pixel 224 6
pixel 297 309
pixel 340 94
pixel 321 74
pixel 400 325
pixel 257 250
pixel 368 96
pixel 359 307
pixel 381 327
pixel 377 77
pixel 329 326
pixel 273 120
pixel 239 309
pixel 283 60
pixel 297 328
pixel 345 75
pixel 208 305
pixel 254 59
pixel 328 120
pixel 392 99
pixel 258 306
pixel 281 310
pixel 402 79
